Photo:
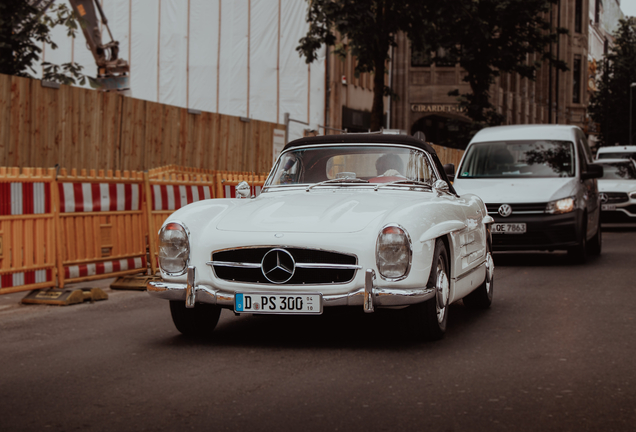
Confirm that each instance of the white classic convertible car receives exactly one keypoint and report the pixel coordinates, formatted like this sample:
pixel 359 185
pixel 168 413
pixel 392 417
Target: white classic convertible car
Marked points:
pixel 359 220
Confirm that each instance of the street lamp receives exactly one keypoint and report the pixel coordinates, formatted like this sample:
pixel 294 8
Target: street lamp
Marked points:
pixel 631 86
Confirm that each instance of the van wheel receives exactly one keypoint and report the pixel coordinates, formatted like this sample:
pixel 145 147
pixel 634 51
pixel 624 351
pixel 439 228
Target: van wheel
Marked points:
pixel 596 244
pixel 578 253
pixel 198 321
pixel 481 298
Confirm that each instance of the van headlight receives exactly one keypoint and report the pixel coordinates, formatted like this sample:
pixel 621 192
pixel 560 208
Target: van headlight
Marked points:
pixel 565 205
pixel 393 253
pixel 174 248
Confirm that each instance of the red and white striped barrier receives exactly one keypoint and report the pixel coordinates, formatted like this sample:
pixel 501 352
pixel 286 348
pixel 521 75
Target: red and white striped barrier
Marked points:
pixel 11 280
pixel 24 198
pixel 105 267
pixel 99 197
pixel 173 197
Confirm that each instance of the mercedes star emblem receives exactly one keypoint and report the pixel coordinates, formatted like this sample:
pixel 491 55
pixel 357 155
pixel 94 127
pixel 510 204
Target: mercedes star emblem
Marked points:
pixel 278 266
pixel 505 210
pixel 604 197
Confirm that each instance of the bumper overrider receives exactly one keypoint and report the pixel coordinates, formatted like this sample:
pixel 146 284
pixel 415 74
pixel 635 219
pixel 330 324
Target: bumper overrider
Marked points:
pixel 369 296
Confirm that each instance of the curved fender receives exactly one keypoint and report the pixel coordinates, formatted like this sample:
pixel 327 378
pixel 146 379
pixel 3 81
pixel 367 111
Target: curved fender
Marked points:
pixel 441 229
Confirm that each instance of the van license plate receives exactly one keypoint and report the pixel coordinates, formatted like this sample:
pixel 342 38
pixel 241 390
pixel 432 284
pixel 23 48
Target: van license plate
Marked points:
pixel 508 228
pixel 276 303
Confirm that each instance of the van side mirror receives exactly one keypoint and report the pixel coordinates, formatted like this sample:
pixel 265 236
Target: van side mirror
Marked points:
pixel 449 169
pixel 592 171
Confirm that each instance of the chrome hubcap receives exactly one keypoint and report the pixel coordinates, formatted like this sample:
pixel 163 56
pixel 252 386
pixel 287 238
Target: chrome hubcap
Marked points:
pixel 490 270
pixel 443 291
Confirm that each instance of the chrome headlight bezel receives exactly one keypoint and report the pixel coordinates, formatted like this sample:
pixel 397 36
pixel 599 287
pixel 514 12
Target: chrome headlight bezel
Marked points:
pixel 561 206
pixel 380 253
pixel 171 227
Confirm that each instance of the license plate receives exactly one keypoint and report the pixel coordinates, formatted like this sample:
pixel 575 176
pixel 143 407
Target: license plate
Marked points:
pixel 608 207
pixel 272 303
pixel 508 228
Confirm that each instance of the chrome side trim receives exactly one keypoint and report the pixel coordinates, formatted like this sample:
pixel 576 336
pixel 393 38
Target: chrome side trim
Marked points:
pixel 469 272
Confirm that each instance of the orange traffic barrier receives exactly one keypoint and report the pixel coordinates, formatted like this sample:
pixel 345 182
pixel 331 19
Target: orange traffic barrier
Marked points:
pixel 27 233
pixel 226 183
pixel 101 227
pixel 168 192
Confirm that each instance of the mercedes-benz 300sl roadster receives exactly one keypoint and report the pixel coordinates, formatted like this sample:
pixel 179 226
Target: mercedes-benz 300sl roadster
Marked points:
pixel 360 220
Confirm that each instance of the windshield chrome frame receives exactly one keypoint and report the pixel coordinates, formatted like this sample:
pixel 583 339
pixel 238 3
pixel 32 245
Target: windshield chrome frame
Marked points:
pixel 274 169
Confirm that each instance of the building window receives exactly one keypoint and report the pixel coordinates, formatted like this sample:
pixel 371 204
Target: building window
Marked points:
pixel 420 58
pixel 605 47
pixel 578 16
pixel 576 80
pixel 598 4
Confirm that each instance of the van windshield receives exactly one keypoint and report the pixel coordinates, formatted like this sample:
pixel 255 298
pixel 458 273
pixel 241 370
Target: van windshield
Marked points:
pixel 503 159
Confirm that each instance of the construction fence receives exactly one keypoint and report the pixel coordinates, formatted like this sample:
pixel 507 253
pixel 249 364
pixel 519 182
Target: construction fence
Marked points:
pixel 76 127
pixel 62 227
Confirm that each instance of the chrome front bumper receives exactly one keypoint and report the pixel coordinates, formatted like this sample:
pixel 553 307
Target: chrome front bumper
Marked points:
pixel 369 296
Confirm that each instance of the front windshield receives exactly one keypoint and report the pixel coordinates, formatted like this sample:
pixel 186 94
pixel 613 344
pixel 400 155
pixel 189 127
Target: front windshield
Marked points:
pixel 510 159
pixel 351 164
pixel 619 171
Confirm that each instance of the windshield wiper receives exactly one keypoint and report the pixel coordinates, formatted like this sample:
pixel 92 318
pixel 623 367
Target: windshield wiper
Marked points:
pixel 404 182
pixel 337 180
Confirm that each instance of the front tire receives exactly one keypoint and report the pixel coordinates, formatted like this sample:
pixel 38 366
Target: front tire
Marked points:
pixel 428 320
pixel 481 298
pixel 578 253
pixel 596 244
pixel 198 321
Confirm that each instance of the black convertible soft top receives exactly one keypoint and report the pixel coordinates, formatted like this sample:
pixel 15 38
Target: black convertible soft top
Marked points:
pixel 374 138
pixel 365 138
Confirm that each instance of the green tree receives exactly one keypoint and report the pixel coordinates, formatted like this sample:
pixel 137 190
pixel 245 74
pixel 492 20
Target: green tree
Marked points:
pixel 486 37
pixel 24 27
pixel 609 105
pixel 370 27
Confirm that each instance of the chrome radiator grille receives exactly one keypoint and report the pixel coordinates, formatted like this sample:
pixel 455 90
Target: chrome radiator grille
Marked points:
pixel 283 265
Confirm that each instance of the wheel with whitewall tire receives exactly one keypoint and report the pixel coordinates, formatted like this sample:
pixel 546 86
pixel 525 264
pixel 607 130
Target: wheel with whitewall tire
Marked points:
pixel 428 320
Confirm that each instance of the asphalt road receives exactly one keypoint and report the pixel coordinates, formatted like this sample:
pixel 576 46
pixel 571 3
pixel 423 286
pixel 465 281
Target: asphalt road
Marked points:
pixel 556 352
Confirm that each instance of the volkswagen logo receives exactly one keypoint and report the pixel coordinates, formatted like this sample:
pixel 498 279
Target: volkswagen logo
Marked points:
pixel 278 266
pixel 505 210
pixel 604 197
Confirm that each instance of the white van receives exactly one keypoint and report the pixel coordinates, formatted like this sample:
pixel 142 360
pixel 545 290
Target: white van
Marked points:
pixel 539 184
pixel 616 152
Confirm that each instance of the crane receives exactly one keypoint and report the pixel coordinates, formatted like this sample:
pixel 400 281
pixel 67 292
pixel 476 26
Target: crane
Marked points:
pixel 113 73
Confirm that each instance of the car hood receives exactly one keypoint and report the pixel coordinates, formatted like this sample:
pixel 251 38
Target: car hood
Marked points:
pixel 616 185
pixel 510 191
pixel 317 211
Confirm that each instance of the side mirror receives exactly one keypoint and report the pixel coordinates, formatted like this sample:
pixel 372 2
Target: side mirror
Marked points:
pixel 593 171
pixel 440 187
pixel 449 169
pixel 243 190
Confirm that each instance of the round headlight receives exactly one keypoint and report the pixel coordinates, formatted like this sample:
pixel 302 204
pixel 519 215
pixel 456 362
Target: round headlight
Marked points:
pixel 174 248
pixel 393 253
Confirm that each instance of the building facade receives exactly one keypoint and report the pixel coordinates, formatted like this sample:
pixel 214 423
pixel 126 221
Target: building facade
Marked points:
pixel 553 97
